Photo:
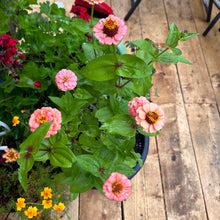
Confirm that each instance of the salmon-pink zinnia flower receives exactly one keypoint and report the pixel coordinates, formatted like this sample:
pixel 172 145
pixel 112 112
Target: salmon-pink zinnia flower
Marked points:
pixel 117 187
pixel 134 104
pixel 110 30
pixel 93 2
pixel 151 117
pixel 66 80
pixel 11 155
pixel 43 115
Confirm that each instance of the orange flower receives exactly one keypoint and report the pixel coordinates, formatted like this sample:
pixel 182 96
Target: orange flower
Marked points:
pixel 59 196
pixel 20 204
pixel 38 214
pixel 60 207
pixel 47 204
pixel 46 193
pixel 11 155
pixel 15 120
pixel 31 212
pixel 22 111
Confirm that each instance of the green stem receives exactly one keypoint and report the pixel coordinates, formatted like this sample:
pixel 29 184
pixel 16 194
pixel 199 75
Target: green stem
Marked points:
pixel 91 19
pixel 159 55
pixel 115 54
pixel 125 83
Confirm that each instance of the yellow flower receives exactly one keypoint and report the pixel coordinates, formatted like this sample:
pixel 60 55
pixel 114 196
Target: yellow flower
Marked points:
pixel 31 212
pixel 20 204
pixel 59 196
pixel 47 204
pixel 15 120
pixel 60 207
pixel 11 155
pixel 46 193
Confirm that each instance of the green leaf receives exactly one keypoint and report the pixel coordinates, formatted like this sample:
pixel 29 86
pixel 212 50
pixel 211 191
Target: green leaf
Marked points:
pixel 26 161
pixel 173 36
pixel 121 124
pixel 22 176
pixel 104 114
pixel 145 46
pixel 100 69
pixel 124 169
pixel 186 36
pixel 171 58
pixel 121 49
pixel 133 67
pixel 61 156
pixel 32 143
pixel 176 51
pixel 89 163
pixel 140 130
pixel 82 94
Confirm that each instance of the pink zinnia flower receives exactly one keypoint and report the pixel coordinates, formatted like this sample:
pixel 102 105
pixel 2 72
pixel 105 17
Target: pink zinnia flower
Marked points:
pixel 151 117
pixel 11 155
pixel 134 104
pixel 43 115
pixel 110 30
pixel 117 187
pixel 93 2
pixel 66 80
pixel 37 84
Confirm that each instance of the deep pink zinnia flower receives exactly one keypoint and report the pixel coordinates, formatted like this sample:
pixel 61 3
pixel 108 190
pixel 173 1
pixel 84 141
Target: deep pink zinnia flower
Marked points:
pixel 37 84
pixel 66 80
pixel 151 117
pixel 43 115
pixel 110 30
pixel 117 187
pixel 134 104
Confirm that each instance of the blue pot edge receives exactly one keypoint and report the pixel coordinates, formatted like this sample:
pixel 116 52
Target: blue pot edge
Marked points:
pixel 143 157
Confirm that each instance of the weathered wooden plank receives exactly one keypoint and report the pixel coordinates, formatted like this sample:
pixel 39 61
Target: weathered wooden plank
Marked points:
pixel 72 210
pixel 182 188
pixel 195 86
pixel 93 205
pixel 146 200
pixel 204 125
pixel 210 44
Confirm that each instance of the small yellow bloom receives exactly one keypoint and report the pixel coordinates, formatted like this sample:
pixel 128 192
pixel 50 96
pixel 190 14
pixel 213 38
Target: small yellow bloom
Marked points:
pixel 60 207
pixel 22 111
pixel 58 217
pixel 47 204
pixel 46 193
pixel 20 204
pixel 31 212
pixel 15 120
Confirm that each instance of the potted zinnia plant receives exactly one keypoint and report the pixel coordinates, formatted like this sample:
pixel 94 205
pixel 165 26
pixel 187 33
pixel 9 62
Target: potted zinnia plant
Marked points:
pixel 72 103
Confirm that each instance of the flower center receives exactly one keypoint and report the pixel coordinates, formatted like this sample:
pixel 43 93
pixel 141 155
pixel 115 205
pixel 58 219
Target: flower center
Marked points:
pixel 117 188
pixel 110 27
pixel 11 155
pixel 65 78
pixel 152 117
pixel 41 119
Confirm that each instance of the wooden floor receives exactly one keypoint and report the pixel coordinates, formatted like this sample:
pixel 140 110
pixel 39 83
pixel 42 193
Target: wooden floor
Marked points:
pixel 180 179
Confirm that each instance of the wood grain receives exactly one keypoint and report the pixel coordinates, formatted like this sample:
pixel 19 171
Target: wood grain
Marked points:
pixel 204 125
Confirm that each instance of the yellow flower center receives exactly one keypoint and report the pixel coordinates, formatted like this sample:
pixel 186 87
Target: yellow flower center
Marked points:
pixel 65 78
pixel 110 27
pixel 152 117
pixel 41 119
pixel 117 188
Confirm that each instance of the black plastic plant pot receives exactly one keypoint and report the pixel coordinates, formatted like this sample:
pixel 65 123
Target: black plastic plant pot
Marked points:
pixel 141 146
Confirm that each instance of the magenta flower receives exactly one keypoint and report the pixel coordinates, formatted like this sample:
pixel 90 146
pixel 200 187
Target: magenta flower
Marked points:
pixel 110 30
pixel 134 104
pixel 151 117
pixel 37 84
pixel 66 80
pixel 117 187
pixel 43 115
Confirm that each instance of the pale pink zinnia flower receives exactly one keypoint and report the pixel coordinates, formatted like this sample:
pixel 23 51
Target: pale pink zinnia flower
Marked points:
pixel 93 2
pixel 117 187
pixel 134 104
pixel 11 155
pixel 110 30
pixel 66 80
pixel 43 115
pixel 151 117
